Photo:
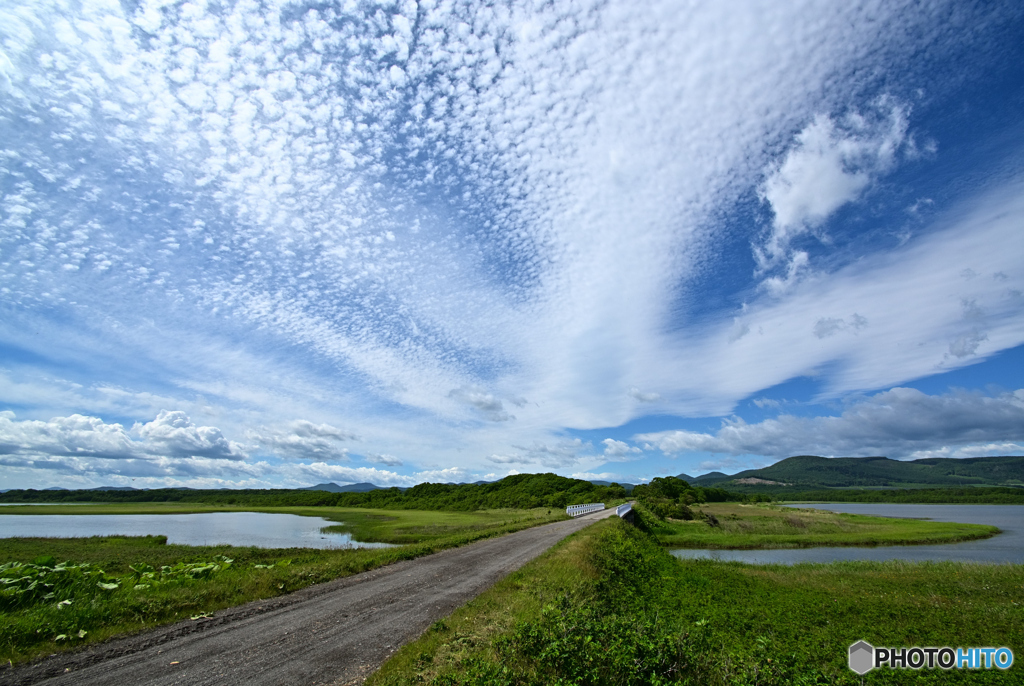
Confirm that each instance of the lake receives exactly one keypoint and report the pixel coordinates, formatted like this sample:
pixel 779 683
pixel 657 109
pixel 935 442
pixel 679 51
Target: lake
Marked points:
pixel 259 529
pixel 1005 547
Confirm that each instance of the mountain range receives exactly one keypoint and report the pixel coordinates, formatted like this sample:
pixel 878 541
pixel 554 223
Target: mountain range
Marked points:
pixel 811 471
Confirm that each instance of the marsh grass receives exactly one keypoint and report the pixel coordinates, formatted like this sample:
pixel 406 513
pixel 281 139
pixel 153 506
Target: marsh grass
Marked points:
pixel 741 526
pixel 96 613
pixel 611 606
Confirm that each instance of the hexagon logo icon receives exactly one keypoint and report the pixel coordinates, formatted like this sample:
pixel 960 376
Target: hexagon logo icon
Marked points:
pixel 862 657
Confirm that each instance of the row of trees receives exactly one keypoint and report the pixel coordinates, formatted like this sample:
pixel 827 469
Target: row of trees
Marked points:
pixel 517 491
pixel 672 497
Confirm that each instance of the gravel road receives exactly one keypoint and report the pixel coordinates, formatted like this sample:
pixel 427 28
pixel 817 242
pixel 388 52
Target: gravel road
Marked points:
pixel 333 633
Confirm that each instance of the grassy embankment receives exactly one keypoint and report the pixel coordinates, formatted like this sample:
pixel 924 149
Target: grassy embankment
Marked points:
pixel 738 526
pixel 147 582
pixel 611 606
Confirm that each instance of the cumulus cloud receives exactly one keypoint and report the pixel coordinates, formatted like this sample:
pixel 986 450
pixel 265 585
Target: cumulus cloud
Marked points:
pixel 830 326
pixel 304 440
pixel 559 455
pixel 618 450
pixel 169 446
pixel 174 434
pixel 170 435
pixel 637 394
pixel 832 162
pixel 898 423
pixel 509 459
pixel 76 435
pixel 767 402
pixel 384 459
pixel 487 404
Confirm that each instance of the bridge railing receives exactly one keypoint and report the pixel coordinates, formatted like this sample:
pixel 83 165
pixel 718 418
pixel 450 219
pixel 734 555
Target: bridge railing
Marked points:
pixel 577 510
pixel 624 510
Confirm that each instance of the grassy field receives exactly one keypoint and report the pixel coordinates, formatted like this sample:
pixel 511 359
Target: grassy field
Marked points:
pixel 117 585
pixel 739 526
pixel 611 606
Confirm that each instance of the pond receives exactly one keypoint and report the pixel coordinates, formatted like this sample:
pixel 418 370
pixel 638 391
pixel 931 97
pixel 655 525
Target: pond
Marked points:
pixel 259 529
pixel 1005 547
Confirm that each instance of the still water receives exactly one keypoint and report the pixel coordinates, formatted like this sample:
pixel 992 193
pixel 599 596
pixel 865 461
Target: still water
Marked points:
pixel 260 529
pixel 1005 547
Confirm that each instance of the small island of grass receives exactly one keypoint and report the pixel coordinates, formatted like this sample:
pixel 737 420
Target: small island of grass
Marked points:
pixel 739 526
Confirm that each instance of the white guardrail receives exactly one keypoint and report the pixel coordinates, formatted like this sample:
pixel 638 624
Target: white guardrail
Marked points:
pixel 577 510
pixel 624 510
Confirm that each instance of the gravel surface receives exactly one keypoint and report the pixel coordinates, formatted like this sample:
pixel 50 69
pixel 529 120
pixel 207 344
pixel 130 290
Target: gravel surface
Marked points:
pixel 333 633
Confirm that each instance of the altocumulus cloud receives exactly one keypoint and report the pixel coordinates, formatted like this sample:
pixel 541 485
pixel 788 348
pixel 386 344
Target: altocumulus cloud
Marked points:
pixel 901 423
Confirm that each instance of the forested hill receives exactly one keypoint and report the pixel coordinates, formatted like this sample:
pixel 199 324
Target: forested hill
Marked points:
pixel 518 491
pixel 809 471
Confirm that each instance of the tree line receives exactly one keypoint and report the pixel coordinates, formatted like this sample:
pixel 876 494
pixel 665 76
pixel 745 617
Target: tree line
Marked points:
pixel 521 491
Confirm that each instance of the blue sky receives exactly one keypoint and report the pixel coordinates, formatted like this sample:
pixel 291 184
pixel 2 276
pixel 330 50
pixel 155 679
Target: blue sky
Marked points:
pixel 254 244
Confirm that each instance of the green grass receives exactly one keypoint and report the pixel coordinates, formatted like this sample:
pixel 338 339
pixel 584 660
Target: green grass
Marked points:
pixel 742 526
pixel 611 606
pixel 31 629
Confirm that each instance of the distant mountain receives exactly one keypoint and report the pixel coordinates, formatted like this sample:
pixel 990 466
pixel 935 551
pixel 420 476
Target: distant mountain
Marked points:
pixel 703 479
pixel 811 471
pixel 335 488
pixel 107 488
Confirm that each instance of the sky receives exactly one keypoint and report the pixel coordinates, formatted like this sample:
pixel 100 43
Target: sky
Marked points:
pixel 272 244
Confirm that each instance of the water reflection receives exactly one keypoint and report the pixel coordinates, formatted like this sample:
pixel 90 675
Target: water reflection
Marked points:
pixel 259 529
pixel 1005 547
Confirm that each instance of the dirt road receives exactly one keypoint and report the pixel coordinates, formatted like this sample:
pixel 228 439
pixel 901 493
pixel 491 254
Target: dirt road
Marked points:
pixel 333 633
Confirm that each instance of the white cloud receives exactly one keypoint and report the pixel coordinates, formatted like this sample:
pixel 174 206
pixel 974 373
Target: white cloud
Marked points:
pixel 601 476
pixel 560 455
pixel 832 163
pixel 87 448
pixel 384 459
pixel 617 450
pixel 487 404
pixel 767 402
pixel 306 441
pixel 509 459
pixel 65 436
pixel 170 435
pixel 899 423
pixel 898 316
pixel 173 434
pixel 644 397
pixel 830 326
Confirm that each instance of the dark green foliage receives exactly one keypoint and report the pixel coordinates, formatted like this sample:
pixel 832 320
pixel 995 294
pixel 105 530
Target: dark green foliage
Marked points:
pixel 607 633
pixel 45 581
pixel 670 497
pixel 520 491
